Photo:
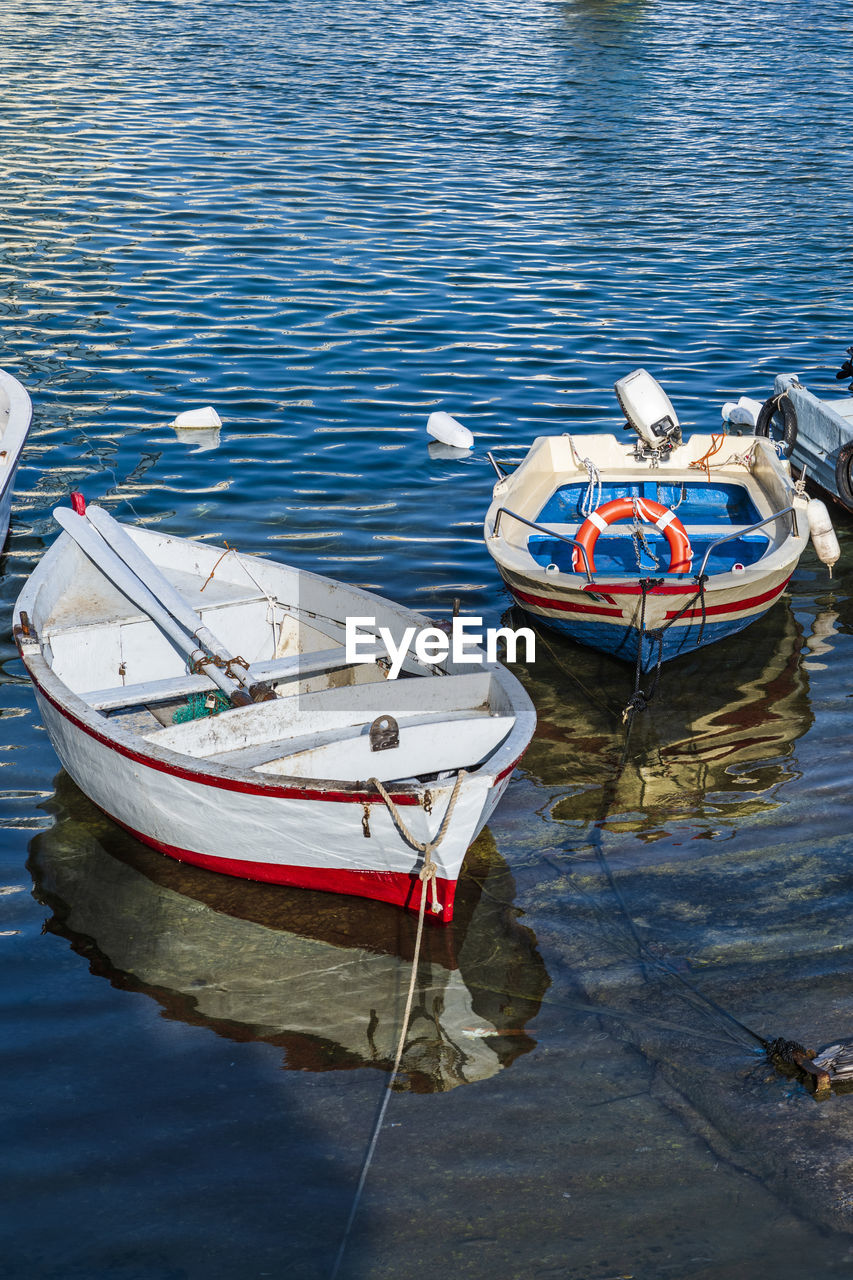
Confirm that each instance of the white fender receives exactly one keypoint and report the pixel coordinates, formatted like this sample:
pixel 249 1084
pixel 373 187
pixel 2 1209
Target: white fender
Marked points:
pixel 823 535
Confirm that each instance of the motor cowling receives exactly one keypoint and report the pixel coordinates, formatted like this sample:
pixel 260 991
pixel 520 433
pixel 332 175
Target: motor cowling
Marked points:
pixel 648 410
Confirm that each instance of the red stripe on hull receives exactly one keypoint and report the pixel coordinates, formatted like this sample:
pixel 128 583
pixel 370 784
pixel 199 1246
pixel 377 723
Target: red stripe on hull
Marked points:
pixel 565 606
pixel 634 589
pixel 233 784
pixel 402 890
pixel 734 607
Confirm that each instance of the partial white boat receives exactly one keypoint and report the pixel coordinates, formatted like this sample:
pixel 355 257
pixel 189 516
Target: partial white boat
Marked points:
pixel 289 763
pixel 815 434
pixel 16 413
pixel 717 527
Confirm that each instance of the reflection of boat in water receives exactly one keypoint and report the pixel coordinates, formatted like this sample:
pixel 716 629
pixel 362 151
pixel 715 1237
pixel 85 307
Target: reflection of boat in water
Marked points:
pixel 322 976
pixel 703 741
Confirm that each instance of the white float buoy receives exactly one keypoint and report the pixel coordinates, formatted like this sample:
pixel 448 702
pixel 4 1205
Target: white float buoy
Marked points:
pixel 191 419
pixel 449 431
pixel 751 407
pixel 743 412
pixel 823 535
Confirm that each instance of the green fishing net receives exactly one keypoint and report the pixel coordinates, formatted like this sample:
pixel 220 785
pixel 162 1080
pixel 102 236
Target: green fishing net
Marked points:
pixel 199 705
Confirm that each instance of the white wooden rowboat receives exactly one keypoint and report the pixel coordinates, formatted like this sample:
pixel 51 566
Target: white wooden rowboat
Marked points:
pixel 299 780
pixel 16 413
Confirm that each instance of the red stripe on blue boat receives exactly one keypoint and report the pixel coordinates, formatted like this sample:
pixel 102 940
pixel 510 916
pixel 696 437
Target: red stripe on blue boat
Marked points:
pixel 565 606
pixel 734 606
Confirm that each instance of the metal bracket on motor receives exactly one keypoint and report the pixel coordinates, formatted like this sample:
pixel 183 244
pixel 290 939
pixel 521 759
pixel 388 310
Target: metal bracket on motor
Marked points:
pixel 384 734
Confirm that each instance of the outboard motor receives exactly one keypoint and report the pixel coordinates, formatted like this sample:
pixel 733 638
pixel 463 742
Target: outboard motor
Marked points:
pixel 648 410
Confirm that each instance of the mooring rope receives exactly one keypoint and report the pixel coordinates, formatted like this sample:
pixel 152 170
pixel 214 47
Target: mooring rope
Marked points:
pixel 640 700
pixel 427 873
pixel 644 953
pixel 717 443
pixel 427 848
pixel 427 876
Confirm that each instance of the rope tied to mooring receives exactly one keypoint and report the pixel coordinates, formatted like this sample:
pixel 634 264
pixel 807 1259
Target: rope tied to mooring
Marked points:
pixel 591 500
pixel 824 1072
pixel 639 700
pixel 427 876
pixel 428 871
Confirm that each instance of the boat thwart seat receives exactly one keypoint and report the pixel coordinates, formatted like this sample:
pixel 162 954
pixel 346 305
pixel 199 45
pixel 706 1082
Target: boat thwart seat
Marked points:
pixel 149 692
pixel 348 754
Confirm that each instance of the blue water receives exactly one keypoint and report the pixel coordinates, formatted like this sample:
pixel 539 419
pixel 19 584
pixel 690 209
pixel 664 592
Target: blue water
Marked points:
pixel 328 220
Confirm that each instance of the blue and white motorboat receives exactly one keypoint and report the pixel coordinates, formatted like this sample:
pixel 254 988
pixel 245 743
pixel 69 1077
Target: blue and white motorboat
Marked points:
pixel 650 547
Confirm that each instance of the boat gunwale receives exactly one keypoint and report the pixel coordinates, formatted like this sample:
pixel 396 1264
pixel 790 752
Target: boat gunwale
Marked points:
pixel 518 560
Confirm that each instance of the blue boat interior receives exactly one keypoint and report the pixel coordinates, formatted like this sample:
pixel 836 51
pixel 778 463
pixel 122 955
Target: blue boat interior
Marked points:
pixel 707 511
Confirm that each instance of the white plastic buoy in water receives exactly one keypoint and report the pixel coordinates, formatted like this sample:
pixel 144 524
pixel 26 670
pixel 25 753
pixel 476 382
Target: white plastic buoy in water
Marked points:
pixel 195 418
pixel 823 535
pixel 442 427
pixel 750 407
pixel 743 413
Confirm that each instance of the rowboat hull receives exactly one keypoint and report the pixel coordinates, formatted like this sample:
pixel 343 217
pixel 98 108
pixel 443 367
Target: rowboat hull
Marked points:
pixel 15 417
pixel 334 835
pixel 309 838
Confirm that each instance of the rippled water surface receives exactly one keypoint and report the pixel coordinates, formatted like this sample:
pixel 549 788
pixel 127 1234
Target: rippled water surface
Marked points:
pixel 328 220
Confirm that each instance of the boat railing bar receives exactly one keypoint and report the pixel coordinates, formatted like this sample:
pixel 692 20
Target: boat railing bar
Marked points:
pixel 500 474
pixel 741 533
pixel 541 528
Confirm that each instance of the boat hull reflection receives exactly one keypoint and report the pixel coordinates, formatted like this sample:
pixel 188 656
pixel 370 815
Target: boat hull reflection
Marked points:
pixel 708 745
pixel 323 977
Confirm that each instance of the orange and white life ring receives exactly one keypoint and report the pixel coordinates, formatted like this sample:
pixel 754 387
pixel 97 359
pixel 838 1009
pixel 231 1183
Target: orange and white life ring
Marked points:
pixel 680 553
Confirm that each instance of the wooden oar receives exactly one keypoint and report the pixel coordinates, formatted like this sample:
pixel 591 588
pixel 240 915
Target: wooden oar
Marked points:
pixel 90 541
pixel 161 588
